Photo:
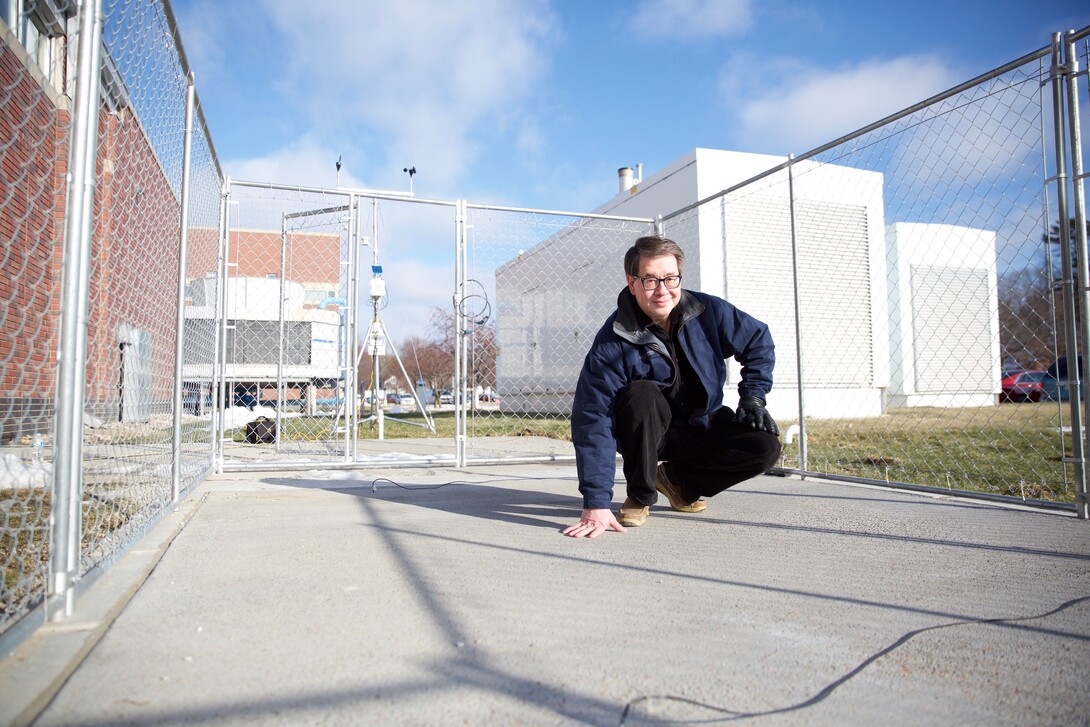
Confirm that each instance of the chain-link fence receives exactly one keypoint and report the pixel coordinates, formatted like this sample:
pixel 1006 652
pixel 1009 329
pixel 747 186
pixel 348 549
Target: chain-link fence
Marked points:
pixel 130 459
pixel 312 359
pixel 537 287
pixel 905 270
pixel 286 319
pixel 908 273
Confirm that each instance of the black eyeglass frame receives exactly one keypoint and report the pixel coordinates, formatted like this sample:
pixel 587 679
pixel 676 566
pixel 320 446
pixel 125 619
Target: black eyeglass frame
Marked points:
pixel 654 282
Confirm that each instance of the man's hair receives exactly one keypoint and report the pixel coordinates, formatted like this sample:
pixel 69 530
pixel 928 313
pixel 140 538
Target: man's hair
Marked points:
pixel 653 246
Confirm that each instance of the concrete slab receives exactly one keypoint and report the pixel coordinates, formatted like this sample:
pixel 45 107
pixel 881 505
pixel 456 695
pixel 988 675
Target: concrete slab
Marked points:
pixel 444 596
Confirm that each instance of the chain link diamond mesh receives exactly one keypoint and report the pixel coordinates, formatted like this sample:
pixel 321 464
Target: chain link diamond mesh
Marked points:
pixel 127 467
pixel 544 285
pixel 921 256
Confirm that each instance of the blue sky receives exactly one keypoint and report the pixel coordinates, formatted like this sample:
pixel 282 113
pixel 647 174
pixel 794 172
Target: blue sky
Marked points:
pixel 537 103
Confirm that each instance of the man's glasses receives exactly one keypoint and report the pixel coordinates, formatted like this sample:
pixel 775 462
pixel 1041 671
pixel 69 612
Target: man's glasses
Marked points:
pixel 650 282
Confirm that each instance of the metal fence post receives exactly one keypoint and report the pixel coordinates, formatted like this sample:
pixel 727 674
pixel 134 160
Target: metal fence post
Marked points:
pixel 1070 299
pixel 217 410
pixel 460 364
pixel 226 398
pixel 281 387
pixel 72 349
pixel 798 312
pixel 179 330
pixel 352 335
pixel 1078 202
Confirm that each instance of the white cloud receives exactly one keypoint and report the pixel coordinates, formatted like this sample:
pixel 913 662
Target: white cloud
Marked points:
pixel 812 106
pixel 306 162
pixel 204 42
pixel 685 19
pixel 423 78
pixel 415 289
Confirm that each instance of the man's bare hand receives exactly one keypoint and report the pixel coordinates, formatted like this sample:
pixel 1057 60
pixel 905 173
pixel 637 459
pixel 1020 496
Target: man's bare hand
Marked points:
pixel 593 523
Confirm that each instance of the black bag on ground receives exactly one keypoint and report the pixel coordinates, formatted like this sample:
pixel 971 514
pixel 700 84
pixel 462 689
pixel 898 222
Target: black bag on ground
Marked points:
pixel 261 431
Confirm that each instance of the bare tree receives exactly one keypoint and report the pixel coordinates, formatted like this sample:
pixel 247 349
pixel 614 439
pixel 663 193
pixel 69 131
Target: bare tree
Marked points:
pixel 481 347
pixel 1030 314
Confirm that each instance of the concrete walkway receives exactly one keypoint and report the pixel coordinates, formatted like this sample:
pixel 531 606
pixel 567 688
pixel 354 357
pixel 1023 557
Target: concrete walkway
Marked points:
pixel 442 596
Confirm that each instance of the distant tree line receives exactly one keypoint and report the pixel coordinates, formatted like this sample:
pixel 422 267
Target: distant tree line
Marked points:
pixel 1032 318
pixel 430 358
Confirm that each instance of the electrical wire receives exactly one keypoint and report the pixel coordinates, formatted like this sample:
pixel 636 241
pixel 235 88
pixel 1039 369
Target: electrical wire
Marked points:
pixel 374 483
pixel 821 695
pixel 477 317
pixel 830 688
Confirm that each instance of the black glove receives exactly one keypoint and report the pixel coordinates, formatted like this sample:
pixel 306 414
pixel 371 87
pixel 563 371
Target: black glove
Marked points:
pixel 752 413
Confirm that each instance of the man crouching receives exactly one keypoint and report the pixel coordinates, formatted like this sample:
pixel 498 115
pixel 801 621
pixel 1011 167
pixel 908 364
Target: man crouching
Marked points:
pixel 651 388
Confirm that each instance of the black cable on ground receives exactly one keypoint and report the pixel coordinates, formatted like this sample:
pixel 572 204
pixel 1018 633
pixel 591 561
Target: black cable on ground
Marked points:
pixel 830 688
pixel 374 483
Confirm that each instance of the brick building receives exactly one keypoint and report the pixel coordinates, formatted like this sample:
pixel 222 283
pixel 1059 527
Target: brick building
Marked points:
pixel 135 241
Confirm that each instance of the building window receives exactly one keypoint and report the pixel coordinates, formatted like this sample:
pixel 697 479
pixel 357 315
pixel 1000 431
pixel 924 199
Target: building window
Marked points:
pixel 40 28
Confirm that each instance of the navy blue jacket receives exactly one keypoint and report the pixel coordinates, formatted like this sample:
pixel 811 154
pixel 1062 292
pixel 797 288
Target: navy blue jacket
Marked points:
pixel 710 330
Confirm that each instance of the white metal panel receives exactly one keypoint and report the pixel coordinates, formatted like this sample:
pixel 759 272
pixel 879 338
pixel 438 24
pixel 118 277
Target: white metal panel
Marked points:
pixel 951 334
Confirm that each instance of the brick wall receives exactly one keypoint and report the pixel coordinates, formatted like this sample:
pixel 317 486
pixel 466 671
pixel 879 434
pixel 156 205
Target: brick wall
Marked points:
pixel 33 163
pixel 134 263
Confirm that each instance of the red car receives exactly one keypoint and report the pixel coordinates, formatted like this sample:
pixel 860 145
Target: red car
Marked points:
pixel 1023 386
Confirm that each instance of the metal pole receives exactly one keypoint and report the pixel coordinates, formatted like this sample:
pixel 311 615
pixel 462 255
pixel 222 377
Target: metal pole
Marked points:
pixel 456 385
pixel 460 363
pixel 281 392
pixel 375 327
pixel 72 349
pixel 1074 385
pixel 798 312
pixel 179 325
pixel 352 395
pixel 348 352
pixel 216 382
pixel 225 284
pixel 1078 202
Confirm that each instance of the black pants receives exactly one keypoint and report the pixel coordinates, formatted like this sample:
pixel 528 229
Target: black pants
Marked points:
pixel 702 462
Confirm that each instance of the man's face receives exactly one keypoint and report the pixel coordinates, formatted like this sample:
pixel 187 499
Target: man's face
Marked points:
pixel 660 302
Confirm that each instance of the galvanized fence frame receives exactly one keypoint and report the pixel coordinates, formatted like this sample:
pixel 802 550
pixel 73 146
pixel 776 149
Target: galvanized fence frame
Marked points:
pixel 484 250
pixel 100 452
pixel 257 214
pixel 304 433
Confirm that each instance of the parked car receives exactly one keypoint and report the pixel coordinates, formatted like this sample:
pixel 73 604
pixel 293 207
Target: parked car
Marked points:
pixel 1054 383
pixel 446 398
pixel 1023 386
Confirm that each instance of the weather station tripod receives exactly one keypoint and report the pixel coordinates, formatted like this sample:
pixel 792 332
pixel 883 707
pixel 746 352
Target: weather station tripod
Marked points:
pixel 377 338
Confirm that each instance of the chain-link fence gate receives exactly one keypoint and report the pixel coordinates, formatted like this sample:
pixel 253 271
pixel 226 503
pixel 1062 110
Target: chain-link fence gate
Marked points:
pixel 310 362
pixel 310 359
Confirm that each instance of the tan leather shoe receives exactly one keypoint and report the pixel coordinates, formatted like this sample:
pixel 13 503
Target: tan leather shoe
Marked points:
pixel 633 514
pixel 673 493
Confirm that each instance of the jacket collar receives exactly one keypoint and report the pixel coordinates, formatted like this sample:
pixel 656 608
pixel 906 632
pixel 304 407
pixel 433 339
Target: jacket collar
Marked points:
pixel 633 325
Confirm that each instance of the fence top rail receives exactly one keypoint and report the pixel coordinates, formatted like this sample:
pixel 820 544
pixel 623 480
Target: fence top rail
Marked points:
pixel 1073 36
pixel 792 159
pixel 558 213
pixel 346 191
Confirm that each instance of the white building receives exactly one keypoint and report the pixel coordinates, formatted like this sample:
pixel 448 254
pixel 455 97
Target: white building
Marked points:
pixel 553 298
pixel 944 315
pixel 307 352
